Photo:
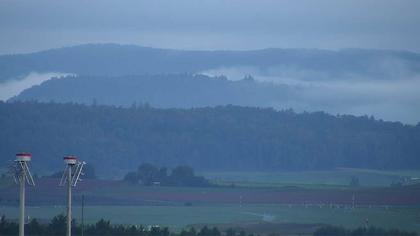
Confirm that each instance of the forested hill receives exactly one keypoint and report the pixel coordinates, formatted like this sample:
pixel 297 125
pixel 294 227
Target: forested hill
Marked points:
pixel 117 60
pixel 228 137
pixel 163 91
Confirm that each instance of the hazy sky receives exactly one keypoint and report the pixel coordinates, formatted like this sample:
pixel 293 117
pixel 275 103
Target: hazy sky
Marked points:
pixel 211 24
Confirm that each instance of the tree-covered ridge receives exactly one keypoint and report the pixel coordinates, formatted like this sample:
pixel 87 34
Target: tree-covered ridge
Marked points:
pixel 224 137
pixel 113 59
pixel 163 90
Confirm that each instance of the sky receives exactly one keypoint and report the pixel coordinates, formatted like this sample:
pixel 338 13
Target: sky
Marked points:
pixel 27 26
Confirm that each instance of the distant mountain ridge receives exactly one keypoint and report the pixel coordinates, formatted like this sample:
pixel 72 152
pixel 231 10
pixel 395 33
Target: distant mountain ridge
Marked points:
pixel 117 60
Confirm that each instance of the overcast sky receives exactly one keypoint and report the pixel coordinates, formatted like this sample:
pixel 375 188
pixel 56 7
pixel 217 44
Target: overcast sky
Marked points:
pixel 211 24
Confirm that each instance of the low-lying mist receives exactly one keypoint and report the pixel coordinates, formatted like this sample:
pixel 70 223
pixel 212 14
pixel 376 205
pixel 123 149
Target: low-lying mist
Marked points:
pixel 14 87
pixel 392 98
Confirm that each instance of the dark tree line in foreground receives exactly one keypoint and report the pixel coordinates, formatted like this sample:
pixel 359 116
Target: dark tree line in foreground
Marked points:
pixel 371 231
pixel 148 174
pixel 57 226
pixel 222 138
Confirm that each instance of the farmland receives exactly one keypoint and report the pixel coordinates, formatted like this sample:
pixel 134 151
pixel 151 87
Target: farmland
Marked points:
pixel 99 192
pixel 219 214
pixel 339 177
pixel 255 201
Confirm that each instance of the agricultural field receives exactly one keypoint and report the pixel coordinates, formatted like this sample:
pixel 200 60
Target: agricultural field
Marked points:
pixel 289 201
pixel 233 214
pixel 311 179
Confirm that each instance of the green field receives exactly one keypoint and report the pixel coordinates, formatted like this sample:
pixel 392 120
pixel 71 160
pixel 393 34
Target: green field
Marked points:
pixel 330 178
pixel 177 217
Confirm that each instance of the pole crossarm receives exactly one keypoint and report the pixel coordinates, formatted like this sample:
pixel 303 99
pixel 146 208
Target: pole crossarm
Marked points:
pixel 22 176
pixel 71 176
pixel 76 173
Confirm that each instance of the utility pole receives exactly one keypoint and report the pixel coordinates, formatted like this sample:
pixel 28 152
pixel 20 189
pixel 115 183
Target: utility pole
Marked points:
pixel 71 176
pixel 83 215
pixel 22 204
pixel 21 174
pixel 68 202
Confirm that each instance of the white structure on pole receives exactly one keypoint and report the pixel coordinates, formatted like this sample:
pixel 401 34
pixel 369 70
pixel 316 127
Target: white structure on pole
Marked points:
pixel 71 176
pixel 22 175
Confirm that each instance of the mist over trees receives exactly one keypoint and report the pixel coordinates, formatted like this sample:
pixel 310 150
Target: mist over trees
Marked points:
pixel 375 82
pixel 117 60
pixel 222 138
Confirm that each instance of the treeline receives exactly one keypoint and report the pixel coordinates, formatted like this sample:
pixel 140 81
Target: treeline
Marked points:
pixel 113 59
pixel 212 138
pixel 362 231
pixel 57 226
pixel 148 174
pixel 162 90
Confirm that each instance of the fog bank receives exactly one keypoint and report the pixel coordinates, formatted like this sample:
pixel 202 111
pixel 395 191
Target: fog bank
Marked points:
pixel 397 99
pixel 12 88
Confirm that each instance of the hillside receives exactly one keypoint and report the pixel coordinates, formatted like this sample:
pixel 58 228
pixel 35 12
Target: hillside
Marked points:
pixel 164 91
pixel 116 60
pixel 222 138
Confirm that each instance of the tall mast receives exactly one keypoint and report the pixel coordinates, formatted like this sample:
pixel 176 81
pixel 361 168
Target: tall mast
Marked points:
pixel 22 175
pixel 71 176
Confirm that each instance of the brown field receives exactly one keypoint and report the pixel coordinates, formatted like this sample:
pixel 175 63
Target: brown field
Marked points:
pixel 107 192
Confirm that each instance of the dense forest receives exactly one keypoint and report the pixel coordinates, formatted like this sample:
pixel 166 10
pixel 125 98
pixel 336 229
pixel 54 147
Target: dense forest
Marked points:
pixel 164 91
pixel 115 60
pixel 223 138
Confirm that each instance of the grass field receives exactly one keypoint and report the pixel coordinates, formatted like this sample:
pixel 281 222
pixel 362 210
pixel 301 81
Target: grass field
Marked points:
pixel 177 217
pixel 269 203
pixel 310 179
